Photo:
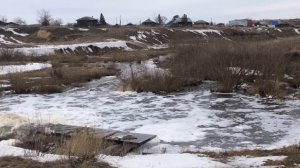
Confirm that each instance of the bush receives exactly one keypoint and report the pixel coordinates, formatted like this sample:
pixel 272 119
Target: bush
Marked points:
pixel 231 64
pixel 157 83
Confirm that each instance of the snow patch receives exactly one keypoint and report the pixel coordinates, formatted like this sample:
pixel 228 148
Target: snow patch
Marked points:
pixel 14 32
pixel 20 42
pixel 6 69
pixel 297 31
pixel 7 149
pixel 82 29
pixel 163 161
pixel 279 30
pixel 3 41
pixel 50 49
pixel 204 32
pixel 245 161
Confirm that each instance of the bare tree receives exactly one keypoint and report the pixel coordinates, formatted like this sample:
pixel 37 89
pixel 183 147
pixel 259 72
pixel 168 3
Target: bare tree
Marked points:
pixel 3 19
pixel 20 21
pixel 44 17
pixel 57 22
pixel 161 19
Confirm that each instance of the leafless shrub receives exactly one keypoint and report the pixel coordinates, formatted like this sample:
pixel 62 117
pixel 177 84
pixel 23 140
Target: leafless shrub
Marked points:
pixel 230 63
pixel 57 22
pixel 3 18
pixel 20 21
pixel 44 17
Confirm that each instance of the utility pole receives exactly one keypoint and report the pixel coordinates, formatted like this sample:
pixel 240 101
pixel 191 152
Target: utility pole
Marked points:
pixel 120 20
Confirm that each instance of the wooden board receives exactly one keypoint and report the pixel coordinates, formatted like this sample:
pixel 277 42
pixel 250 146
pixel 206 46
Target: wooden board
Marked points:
pixel 116 137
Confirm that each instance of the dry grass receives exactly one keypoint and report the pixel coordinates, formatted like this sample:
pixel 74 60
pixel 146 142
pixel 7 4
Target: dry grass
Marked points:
pixel 260 64
pixel 55 80
pixel 232 64
pixel 18 162
pixel 84 145
pixel 292 153
pixel 69 75
pixel 157 83
pixel 81 148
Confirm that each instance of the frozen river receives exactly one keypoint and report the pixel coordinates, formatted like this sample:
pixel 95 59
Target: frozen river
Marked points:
pixel 198 118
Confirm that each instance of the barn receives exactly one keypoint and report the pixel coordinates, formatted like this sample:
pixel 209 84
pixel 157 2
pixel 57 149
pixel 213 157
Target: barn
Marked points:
pixel 149 22
pixel 87 21
pixel 201 23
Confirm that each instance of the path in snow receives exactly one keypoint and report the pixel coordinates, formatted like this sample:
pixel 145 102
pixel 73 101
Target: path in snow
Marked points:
pixel 199 118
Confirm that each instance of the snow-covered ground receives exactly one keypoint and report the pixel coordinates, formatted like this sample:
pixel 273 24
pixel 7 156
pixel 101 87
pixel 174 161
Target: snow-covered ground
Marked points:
pixel 297 31
pixel 50 49
pixel 162 160
pixel 3 41
pixel 204 32
pixel 8 149
pixel 6 69
pixel 196 120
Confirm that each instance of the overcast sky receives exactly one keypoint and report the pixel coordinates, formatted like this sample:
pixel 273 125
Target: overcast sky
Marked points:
pixel 138 10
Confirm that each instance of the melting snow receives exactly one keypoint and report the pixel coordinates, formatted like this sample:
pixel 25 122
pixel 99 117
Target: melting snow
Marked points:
pixel 204 32
pixel 50 49
pixel 244 161
pixel 6 69
pixel 82 29
pixel 297 31
pixel 3 41
pixel 7 149
pixel 163 161
pixel 14 32
pixel 279 30
pixel 20 42
pixel 206 120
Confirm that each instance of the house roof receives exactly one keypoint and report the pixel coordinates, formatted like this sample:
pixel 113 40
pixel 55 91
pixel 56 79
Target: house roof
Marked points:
pixel 201 22
pixel 87 18
pixel 149 21
pixel 2 23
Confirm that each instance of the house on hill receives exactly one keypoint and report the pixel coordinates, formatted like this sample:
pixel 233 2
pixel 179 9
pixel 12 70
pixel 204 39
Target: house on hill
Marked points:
pixel 201 23
pixel 149 22
pixel 87 21
pixel 180 21
pixel 2 23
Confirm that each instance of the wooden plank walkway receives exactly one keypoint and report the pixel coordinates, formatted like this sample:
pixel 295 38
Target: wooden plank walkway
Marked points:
pixel 121 142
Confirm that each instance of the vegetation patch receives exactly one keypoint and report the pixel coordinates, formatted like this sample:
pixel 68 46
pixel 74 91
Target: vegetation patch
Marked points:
pixel 292 153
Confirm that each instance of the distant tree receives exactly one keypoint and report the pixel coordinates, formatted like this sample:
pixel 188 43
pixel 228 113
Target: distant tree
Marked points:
pixel 57 22
pixel 20 21
pixel 44 17
pixel 184 18
pixel 3 19
pixel 161 19
pixel 102 20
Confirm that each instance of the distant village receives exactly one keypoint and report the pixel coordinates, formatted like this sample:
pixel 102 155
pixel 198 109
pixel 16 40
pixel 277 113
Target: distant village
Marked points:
pixel 185 21
pixel 176 21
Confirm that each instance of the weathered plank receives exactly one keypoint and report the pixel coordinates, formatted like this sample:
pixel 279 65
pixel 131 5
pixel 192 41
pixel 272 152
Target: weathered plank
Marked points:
pixel 117 137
